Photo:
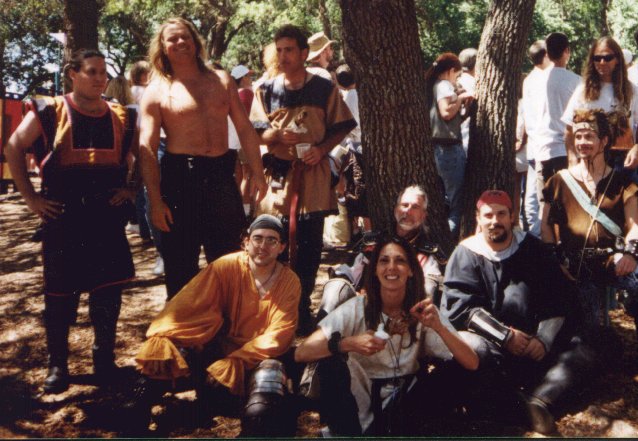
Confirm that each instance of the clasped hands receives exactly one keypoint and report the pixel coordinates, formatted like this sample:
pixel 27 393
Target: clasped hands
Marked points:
pixel 290 137
pixel 523 345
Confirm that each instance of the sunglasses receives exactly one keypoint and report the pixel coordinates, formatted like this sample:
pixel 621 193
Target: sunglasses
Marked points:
pixel 599 58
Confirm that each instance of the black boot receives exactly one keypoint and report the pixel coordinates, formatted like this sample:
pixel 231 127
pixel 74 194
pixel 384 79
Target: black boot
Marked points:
pixel 59 312
pixel 104 368
pixel 104 310
pixel 540 416
pixel 57 380
pixel 136 411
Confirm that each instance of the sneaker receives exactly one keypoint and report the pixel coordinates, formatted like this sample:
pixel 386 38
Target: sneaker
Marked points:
pixel 540 417
pixel 133 229
pixel 159 267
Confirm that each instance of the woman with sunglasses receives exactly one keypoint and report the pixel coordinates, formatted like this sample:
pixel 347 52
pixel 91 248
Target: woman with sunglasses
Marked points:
pixel 606 86
pixel 369 349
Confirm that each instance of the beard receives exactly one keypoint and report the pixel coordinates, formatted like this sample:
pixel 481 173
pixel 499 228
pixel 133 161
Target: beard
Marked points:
pixel 497 234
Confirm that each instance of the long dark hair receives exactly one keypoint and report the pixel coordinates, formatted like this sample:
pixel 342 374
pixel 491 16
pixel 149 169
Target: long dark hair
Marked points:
pixel 623 90
pixel 443 63
pixel 414 290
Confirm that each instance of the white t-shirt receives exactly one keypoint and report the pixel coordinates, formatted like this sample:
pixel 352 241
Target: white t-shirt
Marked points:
pixel 443 89
pixel 532 107
pixel 467 82
pixel 233 137
pixel 137 92
pixel 351 98
pixel 396 359
pixel 560 85
pixel 316 70
pixel 632 74
pixel 606 101
pixel 349 319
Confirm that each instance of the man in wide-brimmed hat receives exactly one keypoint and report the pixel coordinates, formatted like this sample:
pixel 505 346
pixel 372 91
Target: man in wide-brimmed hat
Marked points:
pixel 320 55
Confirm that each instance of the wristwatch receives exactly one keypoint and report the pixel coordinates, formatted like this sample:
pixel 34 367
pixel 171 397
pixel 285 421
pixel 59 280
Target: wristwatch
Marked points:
pixel 333 343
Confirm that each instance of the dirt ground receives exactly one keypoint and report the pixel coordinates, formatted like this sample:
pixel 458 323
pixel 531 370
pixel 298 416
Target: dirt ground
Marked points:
pixel 608 407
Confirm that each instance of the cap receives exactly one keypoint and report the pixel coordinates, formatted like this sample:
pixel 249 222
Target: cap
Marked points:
pixel 269 222
pixel 494 197
pixel 240 71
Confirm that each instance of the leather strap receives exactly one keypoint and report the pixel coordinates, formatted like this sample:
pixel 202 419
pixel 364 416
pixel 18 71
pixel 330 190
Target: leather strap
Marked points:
pixel 295 185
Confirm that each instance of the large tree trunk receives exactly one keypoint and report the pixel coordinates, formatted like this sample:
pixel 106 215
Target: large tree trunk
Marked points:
pixel 382 48
pixel 2 67
pixel 80 22
pixel 492 130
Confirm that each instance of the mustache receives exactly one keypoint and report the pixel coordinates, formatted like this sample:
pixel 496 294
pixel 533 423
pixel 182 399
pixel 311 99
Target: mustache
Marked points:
pixel 493 227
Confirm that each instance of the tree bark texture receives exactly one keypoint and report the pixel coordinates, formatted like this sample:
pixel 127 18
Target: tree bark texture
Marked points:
pixel 80 22
pixel 493 128
pixel 382 48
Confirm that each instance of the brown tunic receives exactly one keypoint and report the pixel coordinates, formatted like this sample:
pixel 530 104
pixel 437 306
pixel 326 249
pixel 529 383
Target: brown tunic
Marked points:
pixel 319 109
pixel 573 221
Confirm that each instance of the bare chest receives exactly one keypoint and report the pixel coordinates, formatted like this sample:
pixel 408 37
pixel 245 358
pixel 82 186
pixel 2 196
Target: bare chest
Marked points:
pixel 194 101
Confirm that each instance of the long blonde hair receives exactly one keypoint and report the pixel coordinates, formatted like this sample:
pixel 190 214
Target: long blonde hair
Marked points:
pixel 119 89
pixel 159 61
pixel 270 60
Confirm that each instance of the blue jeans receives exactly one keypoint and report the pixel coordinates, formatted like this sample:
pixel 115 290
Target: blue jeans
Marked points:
pixel 450 163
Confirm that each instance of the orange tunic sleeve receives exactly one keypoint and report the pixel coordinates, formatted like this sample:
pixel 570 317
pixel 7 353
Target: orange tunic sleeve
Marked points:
pixel 191 318
pixel 271 343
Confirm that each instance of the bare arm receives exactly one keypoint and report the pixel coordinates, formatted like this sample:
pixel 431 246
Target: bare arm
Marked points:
pixel 248 138
pixel 631 160
pixel 133 177
pixel 428 315
pixel 449 107
pixel 25 135
pixel 315 347
pixel 150 125
pixel 317 152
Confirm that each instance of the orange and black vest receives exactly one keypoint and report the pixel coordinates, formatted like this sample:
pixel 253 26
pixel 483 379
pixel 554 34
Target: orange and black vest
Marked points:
pixel 80 153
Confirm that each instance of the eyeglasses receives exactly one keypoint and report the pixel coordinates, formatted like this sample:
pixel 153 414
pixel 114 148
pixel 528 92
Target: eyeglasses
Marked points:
pixel 599 58
pixel 260 240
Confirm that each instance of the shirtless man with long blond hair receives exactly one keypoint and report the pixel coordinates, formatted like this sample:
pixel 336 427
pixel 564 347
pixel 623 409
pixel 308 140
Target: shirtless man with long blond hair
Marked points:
pixel 195 202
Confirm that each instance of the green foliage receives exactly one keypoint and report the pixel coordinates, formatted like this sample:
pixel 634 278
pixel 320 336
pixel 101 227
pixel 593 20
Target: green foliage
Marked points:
pixel 245 26
pixel 623 18
pixel 25 46
pixel 267 17
pixel 449 25
pixel 582 21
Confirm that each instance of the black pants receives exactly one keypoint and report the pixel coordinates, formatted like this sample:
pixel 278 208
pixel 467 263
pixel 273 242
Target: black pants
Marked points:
pixel 309 247
pixel 562 370
pixel 431 398
pixel 60 312
pixel 204 200
pixel 274 415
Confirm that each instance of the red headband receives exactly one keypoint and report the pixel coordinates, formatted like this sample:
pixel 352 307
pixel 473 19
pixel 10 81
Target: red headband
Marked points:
pixel 494 197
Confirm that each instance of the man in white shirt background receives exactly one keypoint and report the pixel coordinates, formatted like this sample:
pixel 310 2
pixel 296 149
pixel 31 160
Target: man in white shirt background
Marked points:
pixel 531 111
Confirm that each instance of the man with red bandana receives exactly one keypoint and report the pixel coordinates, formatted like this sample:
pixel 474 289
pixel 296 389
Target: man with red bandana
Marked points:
pixel 503 286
